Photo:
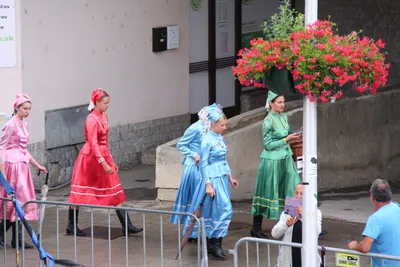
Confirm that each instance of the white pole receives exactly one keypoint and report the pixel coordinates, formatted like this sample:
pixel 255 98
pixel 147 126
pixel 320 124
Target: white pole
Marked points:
pixel 310 188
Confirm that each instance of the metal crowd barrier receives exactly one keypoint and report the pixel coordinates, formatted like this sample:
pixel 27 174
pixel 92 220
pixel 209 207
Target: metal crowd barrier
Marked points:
pixel 343 257
pixel 7 260
pixel 84 248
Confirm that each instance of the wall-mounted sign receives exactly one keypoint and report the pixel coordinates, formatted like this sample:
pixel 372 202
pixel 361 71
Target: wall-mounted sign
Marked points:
pixel 8 53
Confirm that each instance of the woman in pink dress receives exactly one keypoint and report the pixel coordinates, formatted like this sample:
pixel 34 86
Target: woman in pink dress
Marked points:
pixel 95 179
pixel 14 164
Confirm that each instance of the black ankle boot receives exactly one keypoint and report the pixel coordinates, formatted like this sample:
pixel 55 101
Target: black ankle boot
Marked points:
pixel 70 226
pixel 13 240
pixel 131 228
pixel 256 229
pixel 2 233
pixel 214 248
pixel 220 251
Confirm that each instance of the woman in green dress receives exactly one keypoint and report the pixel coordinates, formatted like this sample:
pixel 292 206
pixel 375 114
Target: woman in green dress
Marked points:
pixel 277 174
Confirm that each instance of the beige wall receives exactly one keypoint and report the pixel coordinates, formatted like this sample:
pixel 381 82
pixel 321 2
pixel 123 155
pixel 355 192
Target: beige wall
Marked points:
pixel 10 78
pixel 71 47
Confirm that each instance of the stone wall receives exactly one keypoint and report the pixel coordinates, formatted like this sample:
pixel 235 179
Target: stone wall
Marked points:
pixel 126 144
pixel 376 18
pixel 357 143
pixel 252 99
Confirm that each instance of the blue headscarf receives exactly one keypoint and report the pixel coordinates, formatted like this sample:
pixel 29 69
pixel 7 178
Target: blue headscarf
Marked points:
pixel 215 112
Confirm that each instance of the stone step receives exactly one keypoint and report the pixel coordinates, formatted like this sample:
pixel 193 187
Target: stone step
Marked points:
pixel 149 157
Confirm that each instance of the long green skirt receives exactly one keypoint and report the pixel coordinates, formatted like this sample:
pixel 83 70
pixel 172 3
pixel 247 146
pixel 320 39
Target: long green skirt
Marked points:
pixel 276 179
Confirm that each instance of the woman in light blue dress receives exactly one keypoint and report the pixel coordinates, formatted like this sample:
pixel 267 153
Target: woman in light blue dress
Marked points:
pixel 190 145
pixel 217 179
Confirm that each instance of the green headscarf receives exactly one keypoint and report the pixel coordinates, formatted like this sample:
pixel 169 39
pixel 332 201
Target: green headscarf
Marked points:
pixel 271 96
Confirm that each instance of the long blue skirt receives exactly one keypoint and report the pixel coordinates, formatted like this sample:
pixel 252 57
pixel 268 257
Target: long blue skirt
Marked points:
pixel 217 212
pixel 191 178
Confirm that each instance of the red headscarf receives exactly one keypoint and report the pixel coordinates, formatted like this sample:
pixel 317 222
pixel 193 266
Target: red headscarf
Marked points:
pixel 20 99
pixel 96 95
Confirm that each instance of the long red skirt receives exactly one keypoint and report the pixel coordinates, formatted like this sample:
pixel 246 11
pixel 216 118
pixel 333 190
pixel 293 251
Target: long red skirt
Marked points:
pixel 92 185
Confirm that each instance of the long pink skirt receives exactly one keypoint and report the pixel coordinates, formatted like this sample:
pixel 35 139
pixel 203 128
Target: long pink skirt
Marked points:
pixel 19 177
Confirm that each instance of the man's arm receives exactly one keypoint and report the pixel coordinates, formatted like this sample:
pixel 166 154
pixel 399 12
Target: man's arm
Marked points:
pixel 364 246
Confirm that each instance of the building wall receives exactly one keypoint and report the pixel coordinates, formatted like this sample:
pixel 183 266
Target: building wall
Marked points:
pixel 10 78
pixel 71 47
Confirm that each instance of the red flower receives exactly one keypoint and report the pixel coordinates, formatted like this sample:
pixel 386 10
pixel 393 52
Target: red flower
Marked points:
pixel 296 75
pixel 330 59
pixel 256 41
pixel 337 71
pixel 363 64
pixel 295 50
pixel 323 99
pixel 258 85
pixel 328 80
pixel 311 98
pixel 325 93
pixel 380 44
pixel 307 76
pixel 259 66
pixel 338 95
pixel 360 89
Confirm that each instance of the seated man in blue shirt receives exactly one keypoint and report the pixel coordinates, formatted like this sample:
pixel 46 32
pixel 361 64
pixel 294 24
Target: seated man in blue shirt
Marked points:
pixel 382 232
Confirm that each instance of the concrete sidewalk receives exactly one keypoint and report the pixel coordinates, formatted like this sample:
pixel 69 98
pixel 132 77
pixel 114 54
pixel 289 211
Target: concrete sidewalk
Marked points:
pixel 344 218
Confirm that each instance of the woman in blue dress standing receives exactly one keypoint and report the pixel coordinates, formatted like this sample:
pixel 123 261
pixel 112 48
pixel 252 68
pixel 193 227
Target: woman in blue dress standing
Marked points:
pixel 190 145
pixel 217 179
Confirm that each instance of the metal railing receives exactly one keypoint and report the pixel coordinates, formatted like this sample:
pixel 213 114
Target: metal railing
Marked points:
pixel 90 252
pixel 8 201
pixel 264 256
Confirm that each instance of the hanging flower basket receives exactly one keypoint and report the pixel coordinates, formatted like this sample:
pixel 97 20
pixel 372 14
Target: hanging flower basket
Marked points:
pixel 326 63
pixel 315 61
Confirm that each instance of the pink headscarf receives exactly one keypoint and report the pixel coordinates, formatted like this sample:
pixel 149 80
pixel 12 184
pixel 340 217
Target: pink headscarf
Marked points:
pixel 20 99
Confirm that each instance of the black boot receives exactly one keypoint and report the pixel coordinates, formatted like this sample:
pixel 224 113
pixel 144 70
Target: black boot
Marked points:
pixel 70 226
pixel 256 230
pixel 131 228
pixel 13 241
pixel 2 233
pixel 214 248
pixel 218 244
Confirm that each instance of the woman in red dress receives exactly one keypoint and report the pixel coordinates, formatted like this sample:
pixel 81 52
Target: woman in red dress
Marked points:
pixel 95 179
